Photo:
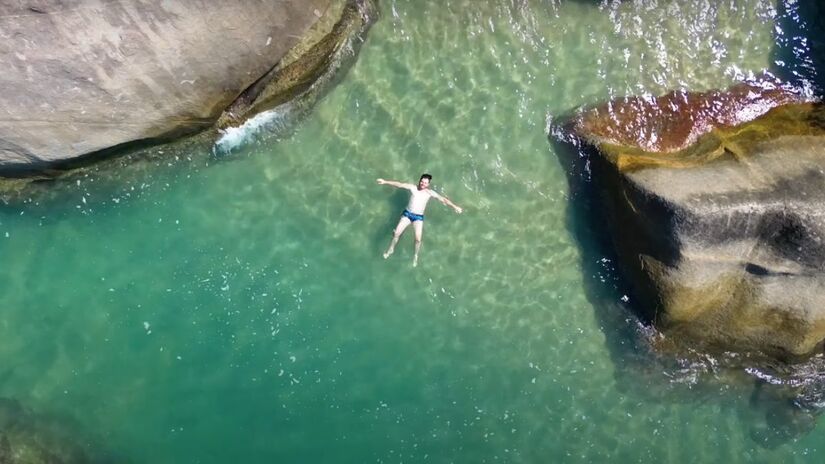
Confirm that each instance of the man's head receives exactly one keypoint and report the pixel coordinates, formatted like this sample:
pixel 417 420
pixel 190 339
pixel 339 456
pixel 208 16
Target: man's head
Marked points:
pixel 424 181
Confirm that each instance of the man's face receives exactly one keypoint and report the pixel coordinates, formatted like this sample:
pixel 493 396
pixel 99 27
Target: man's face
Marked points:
pixel 423 183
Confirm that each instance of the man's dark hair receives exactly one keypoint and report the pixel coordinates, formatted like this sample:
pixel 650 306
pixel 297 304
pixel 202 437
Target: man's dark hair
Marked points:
pixel 426 176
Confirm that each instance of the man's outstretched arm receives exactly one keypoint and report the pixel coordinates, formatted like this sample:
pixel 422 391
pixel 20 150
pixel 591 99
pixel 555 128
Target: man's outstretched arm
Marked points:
pixel 446 201
pixel 395 184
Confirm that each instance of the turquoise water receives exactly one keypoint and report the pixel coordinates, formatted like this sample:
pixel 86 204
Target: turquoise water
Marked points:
pixel 236 308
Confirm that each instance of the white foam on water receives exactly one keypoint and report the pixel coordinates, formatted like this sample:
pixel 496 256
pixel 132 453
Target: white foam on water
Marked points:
pixel 258 127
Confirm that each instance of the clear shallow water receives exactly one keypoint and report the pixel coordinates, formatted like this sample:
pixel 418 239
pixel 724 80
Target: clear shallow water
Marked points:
pixel 241 312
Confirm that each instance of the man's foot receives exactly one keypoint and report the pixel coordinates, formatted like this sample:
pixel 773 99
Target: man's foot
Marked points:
pixel 415 261
pixel 387 254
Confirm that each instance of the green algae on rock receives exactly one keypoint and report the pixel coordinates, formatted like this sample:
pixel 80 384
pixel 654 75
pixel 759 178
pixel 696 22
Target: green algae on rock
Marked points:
pixel 717 208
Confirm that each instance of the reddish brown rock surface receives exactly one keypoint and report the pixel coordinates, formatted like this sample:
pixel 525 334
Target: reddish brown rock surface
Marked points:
pixel 674 121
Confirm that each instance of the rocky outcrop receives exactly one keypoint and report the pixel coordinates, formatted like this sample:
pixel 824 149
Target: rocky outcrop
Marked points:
pixel 716 207
pixel 83 76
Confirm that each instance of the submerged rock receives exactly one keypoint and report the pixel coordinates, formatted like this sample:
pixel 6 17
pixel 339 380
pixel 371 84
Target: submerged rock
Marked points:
pixel 29 438
pixel 5 449
pixel 80 77
pixel 716 207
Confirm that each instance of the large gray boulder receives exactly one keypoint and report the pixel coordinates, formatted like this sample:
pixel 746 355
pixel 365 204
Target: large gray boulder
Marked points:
pixel 716 206
pixel 81 76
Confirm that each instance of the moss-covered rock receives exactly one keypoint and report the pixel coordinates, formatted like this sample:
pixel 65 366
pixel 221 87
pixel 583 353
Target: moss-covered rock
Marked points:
pixel 717 209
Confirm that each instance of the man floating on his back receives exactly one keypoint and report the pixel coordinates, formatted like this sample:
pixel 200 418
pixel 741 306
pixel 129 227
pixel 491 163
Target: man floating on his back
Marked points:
pixel 414 214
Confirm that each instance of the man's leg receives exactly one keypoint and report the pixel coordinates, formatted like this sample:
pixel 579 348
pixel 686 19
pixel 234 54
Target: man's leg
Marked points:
pixel 418 226
pixel 399 229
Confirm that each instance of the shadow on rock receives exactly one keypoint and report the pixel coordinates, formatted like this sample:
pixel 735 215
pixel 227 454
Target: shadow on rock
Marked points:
pixel 776 402
pixel 630 335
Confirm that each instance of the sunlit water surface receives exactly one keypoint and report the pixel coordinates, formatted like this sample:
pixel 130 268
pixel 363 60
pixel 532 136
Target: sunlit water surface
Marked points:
pixel 241 311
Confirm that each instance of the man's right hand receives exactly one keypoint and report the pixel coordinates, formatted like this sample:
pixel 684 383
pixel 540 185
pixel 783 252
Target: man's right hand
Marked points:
pixel 381 181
